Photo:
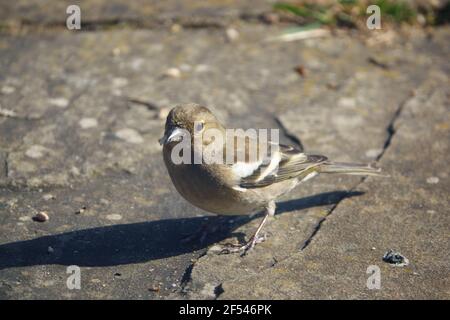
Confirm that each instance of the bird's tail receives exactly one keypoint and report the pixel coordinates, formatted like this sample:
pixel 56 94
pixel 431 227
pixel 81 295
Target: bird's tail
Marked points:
pixel 350 168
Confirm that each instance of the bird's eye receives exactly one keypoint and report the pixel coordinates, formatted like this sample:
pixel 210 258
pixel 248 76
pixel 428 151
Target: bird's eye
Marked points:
pixel 198 126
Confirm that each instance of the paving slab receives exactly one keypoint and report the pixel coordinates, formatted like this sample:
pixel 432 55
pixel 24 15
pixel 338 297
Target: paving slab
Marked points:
pixel 81 116
pixel 331 123
pixel 407 212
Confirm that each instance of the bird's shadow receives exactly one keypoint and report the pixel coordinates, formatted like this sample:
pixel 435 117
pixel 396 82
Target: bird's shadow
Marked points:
pixel 136 242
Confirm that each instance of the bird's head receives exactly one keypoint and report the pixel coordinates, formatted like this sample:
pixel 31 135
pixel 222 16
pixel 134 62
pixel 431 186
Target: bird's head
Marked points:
pixel 188 118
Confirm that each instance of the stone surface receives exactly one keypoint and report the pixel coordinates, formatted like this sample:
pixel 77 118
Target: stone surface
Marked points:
pixel 88 111
pixel 284 268
pixel 136 12
pixel 401 212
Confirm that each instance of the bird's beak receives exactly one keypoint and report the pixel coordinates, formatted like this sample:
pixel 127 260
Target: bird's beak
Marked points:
pixel 175 134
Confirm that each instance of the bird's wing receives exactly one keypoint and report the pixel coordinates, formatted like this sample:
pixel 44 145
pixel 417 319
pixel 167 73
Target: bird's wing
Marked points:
pixel 282 164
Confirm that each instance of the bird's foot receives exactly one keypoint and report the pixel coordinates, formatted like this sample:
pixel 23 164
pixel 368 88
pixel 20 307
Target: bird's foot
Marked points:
pixel 243 249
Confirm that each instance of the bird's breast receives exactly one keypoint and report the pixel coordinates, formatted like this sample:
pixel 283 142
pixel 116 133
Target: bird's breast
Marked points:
pixel 209 190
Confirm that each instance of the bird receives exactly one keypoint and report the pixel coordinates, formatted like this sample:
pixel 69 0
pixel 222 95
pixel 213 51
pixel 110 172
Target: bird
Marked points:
pixel 245 185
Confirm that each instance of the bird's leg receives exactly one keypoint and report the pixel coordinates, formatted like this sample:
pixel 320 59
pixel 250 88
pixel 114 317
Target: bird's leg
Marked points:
pixel 271 208
pixel 269 212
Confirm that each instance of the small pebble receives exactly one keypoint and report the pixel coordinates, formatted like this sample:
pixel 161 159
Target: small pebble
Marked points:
pixel 48 197
pixel 7 113
pixel 232 34
pixel 200 68
pixel 433 180
pixel 176 28
pixel 421 19
pixel 81 210
pixel 300 70
pixel 75 171
pixel 395 258
pixel 41 217
pixel 173 73
pixel 154 289
pixel 347 102
pixel 59 102
pixel 114 217
pixel 119 82
pixel 116 51
pixel 130 135
pixel 35 152
pixel 87 123
pixel 8 89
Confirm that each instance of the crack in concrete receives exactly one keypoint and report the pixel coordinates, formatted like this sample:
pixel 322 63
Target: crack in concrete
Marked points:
pixel 391 128
pixel 319 224
pixel 266 17
pixel 187 277
pixel 296 140
pixel 186 22
pixel 4 171
pixel 149 105
pixel 6 165
pixel 391 131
